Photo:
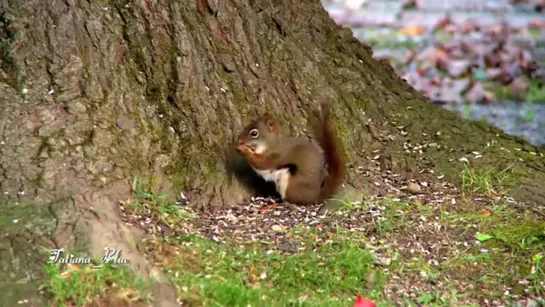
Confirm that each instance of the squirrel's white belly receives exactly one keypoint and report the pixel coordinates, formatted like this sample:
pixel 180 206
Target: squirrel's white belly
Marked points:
pixel 280 178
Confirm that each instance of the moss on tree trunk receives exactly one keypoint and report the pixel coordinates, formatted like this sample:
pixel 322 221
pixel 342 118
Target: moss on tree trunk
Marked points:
pixel 95 93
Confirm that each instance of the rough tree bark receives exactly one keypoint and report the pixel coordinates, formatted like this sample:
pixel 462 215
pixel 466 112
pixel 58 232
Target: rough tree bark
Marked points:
pixel 94 93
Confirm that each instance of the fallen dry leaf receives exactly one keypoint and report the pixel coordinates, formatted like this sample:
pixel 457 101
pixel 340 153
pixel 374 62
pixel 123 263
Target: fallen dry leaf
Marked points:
pixel 518 88
pixel 269 207
pixel 460 85
pixel 492 73
pixel 412 4
pixel 527 65
pixel 476 94
pixel 503 77
pixel 492 59
pixel 470 25
pixel 444 22
pixel 458 68
pixel 412 30
pixel 536 24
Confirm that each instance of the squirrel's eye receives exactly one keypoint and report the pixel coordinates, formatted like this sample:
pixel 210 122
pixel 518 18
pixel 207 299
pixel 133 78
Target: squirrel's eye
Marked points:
pixel 254 133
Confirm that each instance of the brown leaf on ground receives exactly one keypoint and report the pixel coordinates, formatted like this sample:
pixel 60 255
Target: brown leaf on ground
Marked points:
pixel 504 77
pixel 411 4
pixel 492 59
pixel 493 72
pixel 497 32
pixel 460 85
pixel 431 53
pixel 269 207
pixel 527 66
pixel 480 50
pixel 451 28
pixel 477 94
pixel 412 30
pixel 444 22
pixel 453 49
pixel 470 25
pixel 509 52
pixel 458 68
pixel 536 24
pixel 514 69
pixel 518 88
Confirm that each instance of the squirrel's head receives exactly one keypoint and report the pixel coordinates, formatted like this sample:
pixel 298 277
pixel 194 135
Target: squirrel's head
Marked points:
pixel 258 135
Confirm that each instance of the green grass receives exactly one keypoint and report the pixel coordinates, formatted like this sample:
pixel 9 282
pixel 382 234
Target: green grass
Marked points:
pixel 330 266
pixel 536 92
pixel 511 240
pixel 157 208
pixel 511 249
pixel 487 182
pixel 505 249
pixel 82 285
pixel 436 298
pixel 323 274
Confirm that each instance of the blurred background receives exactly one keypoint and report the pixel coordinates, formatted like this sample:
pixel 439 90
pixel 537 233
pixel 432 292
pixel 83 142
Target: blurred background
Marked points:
pixel 482 59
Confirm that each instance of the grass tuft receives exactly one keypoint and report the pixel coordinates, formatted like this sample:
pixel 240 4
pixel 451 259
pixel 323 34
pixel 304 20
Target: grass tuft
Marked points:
pixel 82 285
pixel 329 273
pixel 488 182
pixel 158 208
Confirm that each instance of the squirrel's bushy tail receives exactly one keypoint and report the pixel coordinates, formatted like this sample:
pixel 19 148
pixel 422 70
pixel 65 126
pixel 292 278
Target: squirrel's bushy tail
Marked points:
pixel 334 154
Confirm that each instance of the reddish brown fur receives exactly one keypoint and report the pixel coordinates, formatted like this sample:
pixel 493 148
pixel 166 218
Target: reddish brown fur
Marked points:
pixel 334 154
pixel 307 185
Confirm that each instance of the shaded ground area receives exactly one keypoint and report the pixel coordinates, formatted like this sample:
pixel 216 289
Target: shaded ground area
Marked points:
pixel 419 243
pixel 411 244
pixel 462 52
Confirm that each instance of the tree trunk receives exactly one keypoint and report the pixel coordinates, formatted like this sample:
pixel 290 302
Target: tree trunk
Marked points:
pixel 95 93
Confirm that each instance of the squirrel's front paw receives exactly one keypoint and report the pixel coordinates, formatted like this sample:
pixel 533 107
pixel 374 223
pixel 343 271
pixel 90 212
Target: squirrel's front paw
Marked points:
pixel 243 149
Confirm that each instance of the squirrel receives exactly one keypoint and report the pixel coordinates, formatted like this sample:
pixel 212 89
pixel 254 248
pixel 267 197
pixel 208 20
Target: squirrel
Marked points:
pixel 297 166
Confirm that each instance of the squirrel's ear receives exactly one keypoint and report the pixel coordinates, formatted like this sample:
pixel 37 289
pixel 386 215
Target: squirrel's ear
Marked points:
pixel 271 124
